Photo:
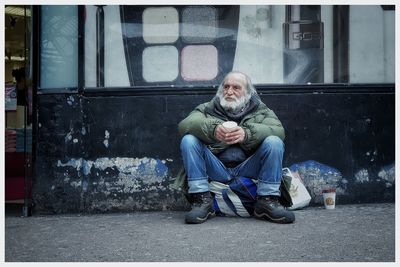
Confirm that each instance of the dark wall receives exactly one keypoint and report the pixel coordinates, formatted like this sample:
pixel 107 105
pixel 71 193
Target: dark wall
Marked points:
pixel 102 152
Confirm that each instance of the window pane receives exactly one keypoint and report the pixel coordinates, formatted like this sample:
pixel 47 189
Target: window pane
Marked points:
pixel 115 69
pixel 59 47
pixel 372 50
pixel 160 25
pixel 160 63
pixel 260 42
pixel 196 66
pixel 199 24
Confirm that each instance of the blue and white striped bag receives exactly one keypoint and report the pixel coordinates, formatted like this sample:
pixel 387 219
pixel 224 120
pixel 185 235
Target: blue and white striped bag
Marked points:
pixel 236 198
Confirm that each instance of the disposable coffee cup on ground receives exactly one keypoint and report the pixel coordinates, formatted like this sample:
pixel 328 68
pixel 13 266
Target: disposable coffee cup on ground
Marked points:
pixel 329 198
pixel 229 125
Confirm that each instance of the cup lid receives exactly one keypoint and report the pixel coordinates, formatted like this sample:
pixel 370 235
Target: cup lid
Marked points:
pixel 329 190
pixel 229 124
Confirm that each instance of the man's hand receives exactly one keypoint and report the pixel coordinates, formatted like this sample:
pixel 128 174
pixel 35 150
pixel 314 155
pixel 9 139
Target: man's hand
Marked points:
pixel 230 136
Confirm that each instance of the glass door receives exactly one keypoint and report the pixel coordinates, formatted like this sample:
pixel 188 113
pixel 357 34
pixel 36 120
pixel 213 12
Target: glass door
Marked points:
pixel 18 109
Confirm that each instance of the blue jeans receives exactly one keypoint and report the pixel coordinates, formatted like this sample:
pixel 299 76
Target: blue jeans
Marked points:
pixel 202 165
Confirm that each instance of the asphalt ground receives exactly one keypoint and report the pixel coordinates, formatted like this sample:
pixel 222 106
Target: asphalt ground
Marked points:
pixel 349 233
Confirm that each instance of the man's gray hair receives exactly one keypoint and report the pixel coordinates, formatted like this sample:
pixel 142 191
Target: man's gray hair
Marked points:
pixel 250 89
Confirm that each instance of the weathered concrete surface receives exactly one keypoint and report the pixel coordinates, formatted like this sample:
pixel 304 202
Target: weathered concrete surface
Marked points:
pixel 350 233
pixel 109 151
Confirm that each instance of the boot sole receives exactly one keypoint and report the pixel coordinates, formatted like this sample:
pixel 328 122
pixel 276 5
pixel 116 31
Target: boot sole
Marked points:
pixel 265 216
pixel 198 220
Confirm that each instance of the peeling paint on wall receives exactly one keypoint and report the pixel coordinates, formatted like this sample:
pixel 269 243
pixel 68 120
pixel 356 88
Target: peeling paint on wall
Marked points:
pixel 106 136
pixel 387 173
pixel 76 184
pixel 70 100
pixel 372 154
pixel 362 176
pixel 119 183
pixel 68 137
pixel 75 163
pixel 86 167
pixel 133 174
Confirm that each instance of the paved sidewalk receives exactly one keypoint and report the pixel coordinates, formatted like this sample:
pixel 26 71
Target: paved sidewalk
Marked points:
pixel 350 233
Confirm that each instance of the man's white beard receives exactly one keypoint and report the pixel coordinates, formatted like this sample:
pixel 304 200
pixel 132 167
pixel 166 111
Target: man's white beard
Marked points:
pixel 233 106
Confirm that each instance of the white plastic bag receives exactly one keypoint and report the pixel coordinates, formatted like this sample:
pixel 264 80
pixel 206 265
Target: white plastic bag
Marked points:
pixel 298 192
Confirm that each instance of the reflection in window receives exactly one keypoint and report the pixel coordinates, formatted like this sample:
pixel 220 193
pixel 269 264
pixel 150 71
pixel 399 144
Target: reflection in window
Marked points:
pixel 199 24
pixel 371 44
pixel 160 25
pixel 59 47
pixel 198 45
pixel 160 63
pixel 196 66
pixel 199 48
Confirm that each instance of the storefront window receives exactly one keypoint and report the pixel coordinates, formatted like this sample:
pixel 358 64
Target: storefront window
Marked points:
pixel 188 46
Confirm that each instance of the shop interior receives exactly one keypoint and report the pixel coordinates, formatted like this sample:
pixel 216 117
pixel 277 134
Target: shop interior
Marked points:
pixel 18 105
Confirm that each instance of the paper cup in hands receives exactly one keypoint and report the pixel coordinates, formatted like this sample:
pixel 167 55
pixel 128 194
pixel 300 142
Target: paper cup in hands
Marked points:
pixel 229 125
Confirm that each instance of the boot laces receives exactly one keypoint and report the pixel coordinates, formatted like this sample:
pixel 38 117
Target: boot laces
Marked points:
pixel 273 201
pixel 200 199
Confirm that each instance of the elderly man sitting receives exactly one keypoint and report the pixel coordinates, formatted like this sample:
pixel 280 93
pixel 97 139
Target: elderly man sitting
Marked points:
pixel 254 148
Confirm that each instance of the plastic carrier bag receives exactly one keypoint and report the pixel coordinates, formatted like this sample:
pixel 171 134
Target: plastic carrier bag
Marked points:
pixel 297 190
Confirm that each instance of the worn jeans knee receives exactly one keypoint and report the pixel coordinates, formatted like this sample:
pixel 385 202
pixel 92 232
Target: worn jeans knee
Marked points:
pixel 270 154
pixel 190 142
pixel 273 143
